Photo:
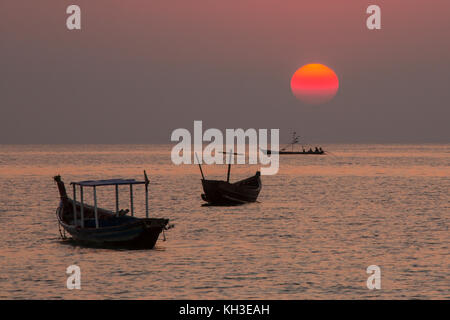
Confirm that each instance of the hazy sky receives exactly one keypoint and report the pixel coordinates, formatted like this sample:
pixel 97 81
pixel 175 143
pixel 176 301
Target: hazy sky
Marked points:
pixel 139 69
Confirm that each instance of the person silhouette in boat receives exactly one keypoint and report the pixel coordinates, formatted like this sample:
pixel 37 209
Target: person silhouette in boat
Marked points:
pixel 310 150
pixel 316 150
pixel 320 150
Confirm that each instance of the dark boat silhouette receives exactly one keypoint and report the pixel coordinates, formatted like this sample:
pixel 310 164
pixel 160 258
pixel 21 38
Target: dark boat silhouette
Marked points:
pixel 95 226
pixel 295 140
pixel 219 192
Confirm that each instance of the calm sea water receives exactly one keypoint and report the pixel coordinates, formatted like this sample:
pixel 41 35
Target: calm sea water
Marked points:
pixel 319 224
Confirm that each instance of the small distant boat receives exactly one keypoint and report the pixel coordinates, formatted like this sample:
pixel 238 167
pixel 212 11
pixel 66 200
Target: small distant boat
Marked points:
pixel 219 192
pixel 95 226
pixel 295 140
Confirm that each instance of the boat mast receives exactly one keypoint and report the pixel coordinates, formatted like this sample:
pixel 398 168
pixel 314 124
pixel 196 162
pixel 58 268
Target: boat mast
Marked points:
pixel 146 194
pixel 293 141
pixel 74 202
pixel 229 166
pixel 200 166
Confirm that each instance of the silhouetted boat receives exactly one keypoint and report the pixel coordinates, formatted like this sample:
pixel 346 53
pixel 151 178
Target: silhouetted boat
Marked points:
pixel 219 192
pixel 295 152
pixel 100 227
pixel 295 138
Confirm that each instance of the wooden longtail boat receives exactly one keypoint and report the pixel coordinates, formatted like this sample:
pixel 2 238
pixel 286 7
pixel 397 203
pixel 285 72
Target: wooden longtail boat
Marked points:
pixel 219 192
pixel 95 226
pixel 225 193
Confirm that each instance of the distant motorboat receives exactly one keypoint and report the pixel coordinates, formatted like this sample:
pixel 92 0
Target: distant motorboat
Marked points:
pixel 295 140
pixel 294 152
pixel 95 226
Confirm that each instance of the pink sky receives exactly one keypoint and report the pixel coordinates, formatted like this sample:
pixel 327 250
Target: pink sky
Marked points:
pixel 213 60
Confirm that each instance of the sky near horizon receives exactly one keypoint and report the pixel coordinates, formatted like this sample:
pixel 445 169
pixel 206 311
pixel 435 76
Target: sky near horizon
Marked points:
pixel 137 70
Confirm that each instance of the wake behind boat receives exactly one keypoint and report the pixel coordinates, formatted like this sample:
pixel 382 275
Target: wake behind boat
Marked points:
pixel 295 140
pixel 95 226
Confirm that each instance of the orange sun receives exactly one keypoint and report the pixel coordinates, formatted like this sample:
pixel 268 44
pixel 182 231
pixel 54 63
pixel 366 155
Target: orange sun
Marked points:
pixel 314 83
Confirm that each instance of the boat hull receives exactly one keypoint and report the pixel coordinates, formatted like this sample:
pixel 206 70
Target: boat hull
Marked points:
pixel 127 232
pixel 217 192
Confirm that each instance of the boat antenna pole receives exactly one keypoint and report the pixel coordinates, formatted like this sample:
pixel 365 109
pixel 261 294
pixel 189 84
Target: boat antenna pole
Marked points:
pixel 146 193
pixel 200 166
pixel 229 166
pixel 290 144
pixel 293 140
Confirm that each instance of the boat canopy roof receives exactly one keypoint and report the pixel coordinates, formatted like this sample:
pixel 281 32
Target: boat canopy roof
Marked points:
pixel 110 182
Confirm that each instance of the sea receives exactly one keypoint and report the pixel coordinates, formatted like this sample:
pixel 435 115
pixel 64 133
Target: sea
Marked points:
pixel 316 228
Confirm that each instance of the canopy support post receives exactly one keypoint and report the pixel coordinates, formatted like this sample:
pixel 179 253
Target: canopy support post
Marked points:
pixel 131 200
pixel 95 207
pixel 81 206
pixel 74 205
pixel 117 200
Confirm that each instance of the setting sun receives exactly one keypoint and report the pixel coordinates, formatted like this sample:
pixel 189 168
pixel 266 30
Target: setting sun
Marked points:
pixel 314 83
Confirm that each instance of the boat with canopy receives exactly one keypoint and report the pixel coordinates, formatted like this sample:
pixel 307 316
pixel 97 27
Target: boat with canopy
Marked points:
pixel 91 225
